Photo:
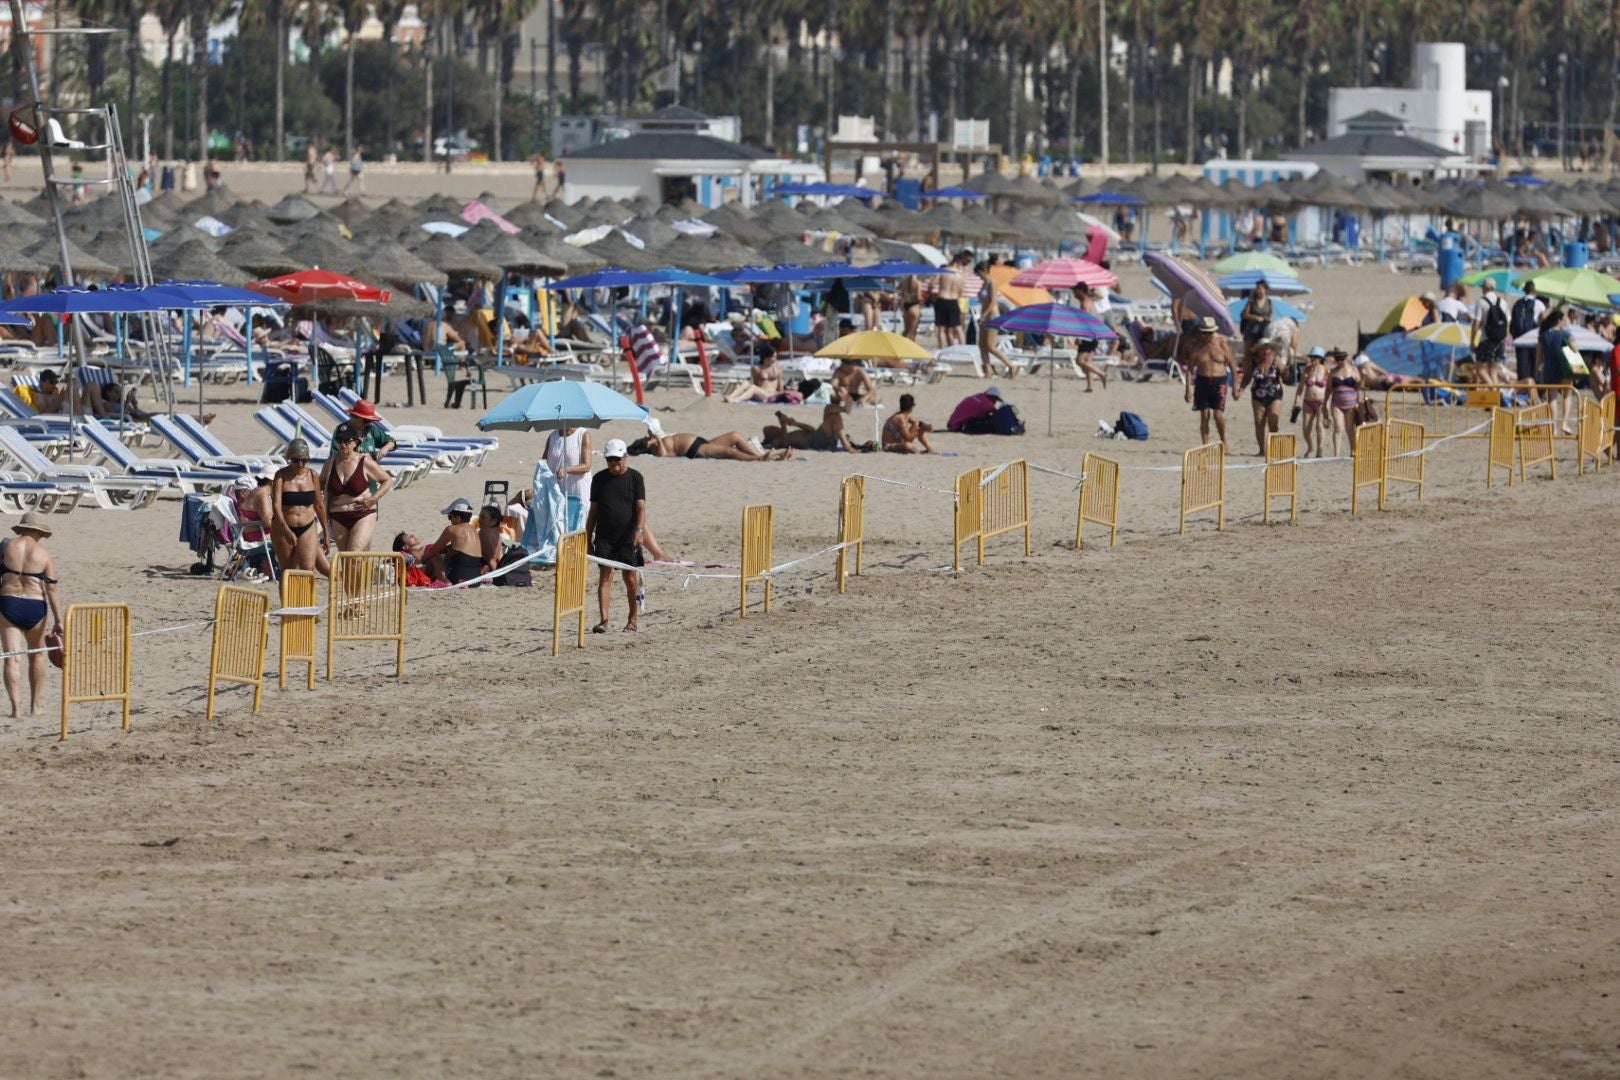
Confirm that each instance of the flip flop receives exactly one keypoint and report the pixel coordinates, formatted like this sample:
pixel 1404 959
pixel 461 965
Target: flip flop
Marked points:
pixel 599 628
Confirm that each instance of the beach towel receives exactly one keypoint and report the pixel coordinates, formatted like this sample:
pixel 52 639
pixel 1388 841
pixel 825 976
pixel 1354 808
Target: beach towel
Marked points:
pixel 545 525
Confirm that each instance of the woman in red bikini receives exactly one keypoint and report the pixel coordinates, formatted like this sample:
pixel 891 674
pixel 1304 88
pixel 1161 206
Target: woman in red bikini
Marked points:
pixel 353 484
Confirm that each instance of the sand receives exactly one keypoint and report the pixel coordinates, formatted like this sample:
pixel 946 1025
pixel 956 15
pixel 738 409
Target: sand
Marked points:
pixel 1329 799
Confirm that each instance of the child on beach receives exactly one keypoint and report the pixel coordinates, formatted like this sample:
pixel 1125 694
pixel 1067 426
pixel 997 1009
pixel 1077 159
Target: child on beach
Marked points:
pixel 1310 394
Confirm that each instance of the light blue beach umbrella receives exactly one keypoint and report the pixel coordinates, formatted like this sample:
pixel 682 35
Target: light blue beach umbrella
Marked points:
pixel 561 404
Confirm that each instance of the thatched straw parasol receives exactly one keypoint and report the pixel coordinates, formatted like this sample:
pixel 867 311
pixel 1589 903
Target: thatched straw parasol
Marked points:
pixel 454 257
pixel 84 263
pixel 292 208
pixel 615 250
pixel 194 260
pixel 392 263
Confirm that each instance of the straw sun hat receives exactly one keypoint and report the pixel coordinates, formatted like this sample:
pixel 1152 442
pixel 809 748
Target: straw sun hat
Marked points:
pixel 32 522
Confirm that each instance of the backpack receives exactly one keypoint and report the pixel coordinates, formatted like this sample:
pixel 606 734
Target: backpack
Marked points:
pixel 1131 426
pixel 1524 316
pixel 1006 422
pixel 1496 322
pixel 521 578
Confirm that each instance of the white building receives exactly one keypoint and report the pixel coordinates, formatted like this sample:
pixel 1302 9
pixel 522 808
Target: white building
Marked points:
pixel 1437 108
pixel 673 166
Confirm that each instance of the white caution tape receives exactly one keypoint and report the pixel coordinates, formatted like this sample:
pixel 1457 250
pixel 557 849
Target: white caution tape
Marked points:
pixel 907 484
pixel 773 571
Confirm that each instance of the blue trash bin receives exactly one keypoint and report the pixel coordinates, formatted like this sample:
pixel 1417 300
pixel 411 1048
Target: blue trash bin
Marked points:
pixel 1452 265
pixel 1575 254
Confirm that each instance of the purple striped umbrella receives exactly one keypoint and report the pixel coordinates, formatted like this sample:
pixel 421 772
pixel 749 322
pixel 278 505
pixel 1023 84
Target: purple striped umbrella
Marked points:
pixel 1053 320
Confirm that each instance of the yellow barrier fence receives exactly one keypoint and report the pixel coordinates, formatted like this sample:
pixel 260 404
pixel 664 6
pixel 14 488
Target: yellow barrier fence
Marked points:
pixel 756 553
pixel 1606 422
pixel 1534 434
pixel 1404 460
pixel 968 521
pixel 1006 502
pixel 573 572
pixel 1367 469
pixel 1203 483
pixel 241 635
pixel 1589 437
pixel 297 631
pixel 367 603
pixel 1446 410
pixel 1099 498
pixel 1503 440
pixel 851 527
pixel 1282 474
pixel 95 656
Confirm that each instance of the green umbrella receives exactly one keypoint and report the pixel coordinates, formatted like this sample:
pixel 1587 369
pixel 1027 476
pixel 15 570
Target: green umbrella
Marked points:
pixel 1588 288
pixel 1503 279
pixel 1250 260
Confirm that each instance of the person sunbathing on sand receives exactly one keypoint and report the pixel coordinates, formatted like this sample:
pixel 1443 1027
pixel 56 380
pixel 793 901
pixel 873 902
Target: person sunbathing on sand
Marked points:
pixel 798 435
pixel 731 446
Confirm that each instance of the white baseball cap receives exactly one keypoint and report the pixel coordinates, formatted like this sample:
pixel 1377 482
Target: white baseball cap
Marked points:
pixel 615 448
pixel 994 391
pixel 460 506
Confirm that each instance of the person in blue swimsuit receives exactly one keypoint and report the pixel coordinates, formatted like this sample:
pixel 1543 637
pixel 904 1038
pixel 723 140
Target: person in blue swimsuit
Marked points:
pixel 27 595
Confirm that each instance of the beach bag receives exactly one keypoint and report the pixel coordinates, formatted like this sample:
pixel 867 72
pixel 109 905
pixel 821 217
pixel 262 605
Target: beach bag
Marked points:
pixel 1005 421
pixel 1524 317
pixel 1574 362
pixel 971 336
pixel 520 578
pixel 1496 322
pixel 1131 426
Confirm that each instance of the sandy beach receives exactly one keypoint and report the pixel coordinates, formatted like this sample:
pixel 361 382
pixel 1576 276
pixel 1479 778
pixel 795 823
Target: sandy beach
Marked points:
pixel 1331 799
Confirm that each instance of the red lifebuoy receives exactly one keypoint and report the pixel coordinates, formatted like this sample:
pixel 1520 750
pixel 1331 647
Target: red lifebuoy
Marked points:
pixel 21 130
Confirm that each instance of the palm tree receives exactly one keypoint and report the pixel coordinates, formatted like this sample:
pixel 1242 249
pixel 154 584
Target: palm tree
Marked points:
pixel 201 14
pixel 352 15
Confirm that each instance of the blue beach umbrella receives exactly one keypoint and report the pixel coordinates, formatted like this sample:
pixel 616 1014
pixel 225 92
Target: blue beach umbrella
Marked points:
pixel 1110 198
pixel 1279 283
pixel 615 278
pixel 560 404
pixel 953 193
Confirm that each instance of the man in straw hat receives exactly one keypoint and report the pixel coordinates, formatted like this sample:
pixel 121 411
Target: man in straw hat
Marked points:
pixel 27 595
pixel 1208 359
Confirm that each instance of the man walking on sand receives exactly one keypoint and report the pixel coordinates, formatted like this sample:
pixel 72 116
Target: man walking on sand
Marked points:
pixel 329 163
pixel 948 301
pixel 615 528
pixel 1209 360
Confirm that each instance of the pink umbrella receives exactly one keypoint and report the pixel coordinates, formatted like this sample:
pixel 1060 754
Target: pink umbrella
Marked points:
pixel 1066 274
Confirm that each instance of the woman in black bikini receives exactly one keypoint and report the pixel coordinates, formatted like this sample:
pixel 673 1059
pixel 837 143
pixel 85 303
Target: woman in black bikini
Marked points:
pixel 353 484
pixel 27 595
pixel 298 526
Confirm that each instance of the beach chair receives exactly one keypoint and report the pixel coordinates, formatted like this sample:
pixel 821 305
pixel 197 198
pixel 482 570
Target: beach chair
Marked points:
pixel 109 492
pixel 19 495
pixel 288 421
pixel 961 360
pixel 212 444
pixel 120 459
pixel 201 458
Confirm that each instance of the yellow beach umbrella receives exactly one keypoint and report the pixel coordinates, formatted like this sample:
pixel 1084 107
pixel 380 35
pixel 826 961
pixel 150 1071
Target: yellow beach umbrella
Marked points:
pixel 875 345
pixel 1452 334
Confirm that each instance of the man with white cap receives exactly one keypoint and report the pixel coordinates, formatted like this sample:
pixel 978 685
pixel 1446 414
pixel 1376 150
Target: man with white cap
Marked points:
pixel 456 556
pixel 1492 321
pixel 615 529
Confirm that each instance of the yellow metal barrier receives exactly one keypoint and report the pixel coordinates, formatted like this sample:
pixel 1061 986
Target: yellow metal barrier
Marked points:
pixel 968 521
pixel 1404 460
pixel 851 526
pixel 1282 474
pixel 95 656
pixel 1503 438
pixel 1446 410
pixel 1006 502
pixel 1589 437
pixel 297 631
pixel 573 573
pixel 1099 498
pixel 241 635
pixel 1606 422
pixel 367 602
pixel 1203 482
pixel 756 553
pixel 1367 469
pixel 1534 434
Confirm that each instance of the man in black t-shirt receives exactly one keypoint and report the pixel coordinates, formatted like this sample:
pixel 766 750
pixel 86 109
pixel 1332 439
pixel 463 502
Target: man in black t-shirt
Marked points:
pixel 615 526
